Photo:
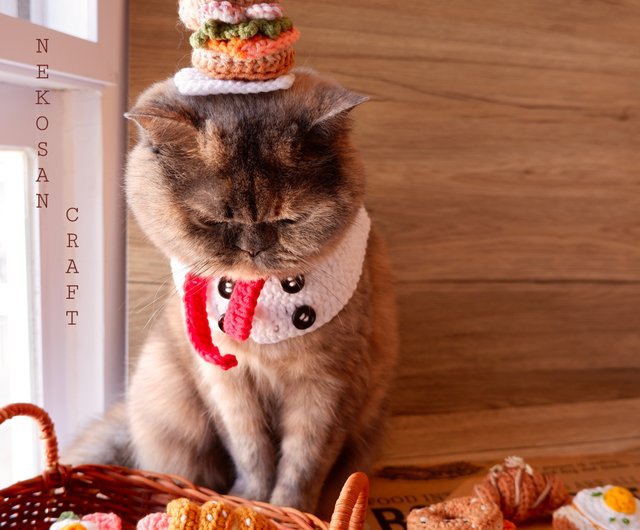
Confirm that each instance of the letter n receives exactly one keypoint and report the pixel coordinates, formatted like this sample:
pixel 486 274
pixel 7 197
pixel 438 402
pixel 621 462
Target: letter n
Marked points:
pixel 43 200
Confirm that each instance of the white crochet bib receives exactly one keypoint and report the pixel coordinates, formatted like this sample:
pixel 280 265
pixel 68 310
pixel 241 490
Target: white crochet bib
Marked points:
pixel 291 307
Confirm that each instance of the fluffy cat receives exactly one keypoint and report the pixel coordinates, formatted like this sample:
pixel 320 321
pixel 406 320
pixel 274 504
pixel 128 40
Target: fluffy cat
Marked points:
pixel 251 186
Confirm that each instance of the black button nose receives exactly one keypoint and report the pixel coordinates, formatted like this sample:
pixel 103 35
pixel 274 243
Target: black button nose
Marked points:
pixel 293 284
pixel 225 287
pixel 303 317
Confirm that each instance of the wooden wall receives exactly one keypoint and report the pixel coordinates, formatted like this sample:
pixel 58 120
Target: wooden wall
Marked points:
pixel 502 147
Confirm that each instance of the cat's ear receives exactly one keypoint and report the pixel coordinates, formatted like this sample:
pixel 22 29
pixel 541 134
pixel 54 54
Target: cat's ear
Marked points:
pixel 333 104
pixel 161 124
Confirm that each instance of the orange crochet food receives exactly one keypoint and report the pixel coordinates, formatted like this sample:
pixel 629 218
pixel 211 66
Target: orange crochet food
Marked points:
pixel 463 513
pixel 255 47
pixel 520 492
pixel 225 67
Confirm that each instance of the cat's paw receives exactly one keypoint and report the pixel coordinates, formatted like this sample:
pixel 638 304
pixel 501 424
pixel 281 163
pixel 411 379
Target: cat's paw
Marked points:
pixel 294 499
pixel 250 489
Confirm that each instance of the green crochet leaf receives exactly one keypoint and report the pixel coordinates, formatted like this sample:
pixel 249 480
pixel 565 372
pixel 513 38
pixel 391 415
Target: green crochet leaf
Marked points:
pixel 70 516
pixel 217 30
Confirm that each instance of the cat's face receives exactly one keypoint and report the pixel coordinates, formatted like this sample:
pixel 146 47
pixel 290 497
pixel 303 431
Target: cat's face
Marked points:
pixel 245 185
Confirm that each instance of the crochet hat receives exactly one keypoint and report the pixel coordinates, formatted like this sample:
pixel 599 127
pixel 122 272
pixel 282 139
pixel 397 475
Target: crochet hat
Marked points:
pixel 239 47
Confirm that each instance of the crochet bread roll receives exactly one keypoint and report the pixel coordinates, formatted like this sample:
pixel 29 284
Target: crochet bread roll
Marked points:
pixel 521 492
pixel 462 513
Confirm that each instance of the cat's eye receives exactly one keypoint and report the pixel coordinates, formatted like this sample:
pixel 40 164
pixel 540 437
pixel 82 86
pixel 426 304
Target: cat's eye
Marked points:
pixel 156 150
pixel 288 221
pixel 208 223
pixel 212 224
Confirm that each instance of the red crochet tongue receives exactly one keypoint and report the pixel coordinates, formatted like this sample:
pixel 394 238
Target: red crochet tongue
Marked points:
pixel 239 316
pixel 237 320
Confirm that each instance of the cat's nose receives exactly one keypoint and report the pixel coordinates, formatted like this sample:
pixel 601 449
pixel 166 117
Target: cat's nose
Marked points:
pixel 257 238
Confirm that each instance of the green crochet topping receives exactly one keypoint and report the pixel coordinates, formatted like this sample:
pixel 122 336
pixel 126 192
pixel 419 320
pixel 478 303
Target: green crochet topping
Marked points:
pixel 68 516
pixel 216 30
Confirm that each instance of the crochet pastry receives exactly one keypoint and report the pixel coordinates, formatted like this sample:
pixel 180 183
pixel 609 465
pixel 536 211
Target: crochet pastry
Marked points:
pixel 244 518
pixel 214 515
pixel 462 513
pixel 239 46
pixel 603 508
pixel 94 521
pixel 183 514
pixel 154 521
pixel 520 492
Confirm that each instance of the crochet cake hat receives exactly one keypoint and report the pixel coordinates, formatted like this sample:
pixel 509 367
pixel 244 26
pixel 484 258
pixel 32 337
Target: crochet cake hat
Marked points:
pixel 239 47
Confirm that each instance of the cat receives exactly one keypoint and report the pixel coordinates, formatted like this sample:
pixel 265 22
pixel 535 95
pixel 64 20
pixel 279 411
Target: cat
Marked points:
pixel 246 187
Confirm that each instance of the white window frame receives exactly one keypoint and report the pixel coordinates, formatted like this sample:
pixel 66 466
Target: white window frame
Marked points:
pixel 83 366
pixel 55 14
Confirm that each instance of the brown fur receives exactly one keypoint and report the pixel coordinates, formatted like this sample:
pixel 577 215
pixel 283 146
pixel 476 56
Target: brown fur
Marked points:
pixel 252 186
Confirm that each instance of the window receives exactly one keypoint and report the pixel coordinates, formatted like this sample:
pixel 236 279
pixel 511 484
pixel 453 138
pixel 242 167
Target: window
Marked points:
pixel 19 352
pixel 62 284
pixel 75 17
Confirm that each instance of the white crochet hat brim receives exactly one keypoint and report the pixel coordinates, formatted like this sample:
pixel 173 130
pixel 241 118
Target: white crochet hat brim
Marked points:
pixel 192 82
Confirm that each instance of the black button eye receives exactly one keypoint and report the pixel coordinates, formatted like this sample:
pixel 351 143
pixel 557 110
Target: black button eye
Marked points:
pixel 303 317
pixel 293 284
pixel 221 323
pixel 225 287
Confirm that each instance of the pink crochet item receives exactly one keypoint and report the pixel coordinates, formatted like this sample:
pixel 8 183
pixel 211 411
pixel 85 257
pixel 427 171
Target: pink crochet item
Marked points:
pixel 232 14
pixel 105 521
pixel 264 11
pixel 223 11
pixel 154 521
pixel 242 306
pixel 237 321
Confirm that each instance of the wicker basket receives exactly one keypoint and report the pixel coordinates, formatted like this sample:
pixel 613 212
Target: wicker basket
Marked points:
pixel 132 494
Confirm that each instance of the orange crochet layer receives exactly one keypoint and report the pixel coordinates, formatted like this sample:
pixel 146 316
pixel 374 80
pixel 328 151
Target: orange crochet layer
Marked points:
pixel 224 67
pixel 255 47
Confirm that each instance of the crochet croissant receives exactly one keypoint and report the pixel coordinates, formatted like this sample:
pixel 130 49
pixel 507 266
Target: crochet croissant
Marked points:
pixel 183 514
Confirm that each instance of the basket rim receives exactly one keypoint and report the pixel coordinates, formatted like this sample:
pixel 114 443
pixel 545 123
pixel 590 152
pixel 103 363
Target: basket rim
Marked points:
pixel 350 509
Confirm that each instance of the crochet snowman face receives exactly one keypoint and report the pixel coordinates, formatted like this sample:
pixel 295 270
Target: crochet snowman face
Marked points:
pixel 295 305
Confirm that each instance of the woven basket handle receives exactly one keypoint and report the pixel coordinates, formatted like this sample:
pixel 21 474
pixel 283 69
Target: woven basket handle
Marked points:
pixel 351 507
pixel 47 432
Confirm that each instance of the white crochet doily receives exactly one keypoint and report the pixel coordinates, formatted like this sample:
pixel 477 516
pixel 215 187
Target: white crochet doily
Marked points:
pixel 191 82
pixel 327 289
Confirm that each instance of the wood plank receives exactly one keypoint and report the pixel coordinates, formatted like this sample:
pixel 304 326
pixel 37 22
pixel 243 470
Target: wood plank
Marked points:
pixel 483 345
pixel 490 435
pixel 467 236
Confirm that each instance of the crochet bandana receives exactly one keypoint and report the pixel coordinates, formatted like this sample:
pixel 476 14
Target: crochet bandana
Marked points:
pixel 271 309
